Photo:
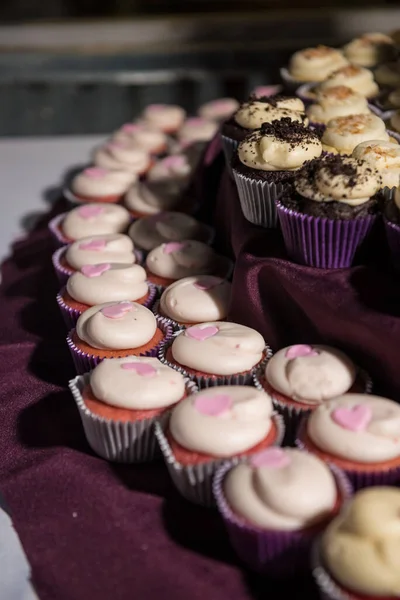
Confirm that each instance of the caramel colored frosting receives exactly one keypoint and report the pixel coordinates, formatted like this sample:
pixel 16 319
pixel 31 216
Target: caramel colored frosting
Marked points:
pixel 370 49
pixel 315 64
pixel 337 101
pixel 255 112
pixel 343 134
pixel 384 156
pixel 359 79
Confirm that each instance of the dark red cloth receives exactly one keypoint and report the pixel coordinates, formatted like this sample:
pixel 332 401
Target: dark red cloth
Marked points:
pixel 96 530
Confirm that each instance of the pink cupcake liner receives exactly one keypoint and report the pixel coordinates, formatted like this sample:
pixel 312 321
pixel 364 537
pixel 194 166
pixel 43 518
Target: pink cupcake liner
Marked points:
pixel 118 441
pixel 320 242
pixel 328 589
pixel 195 482
pixel 359 479
pixel 268 551
pixel 393 238
pixel 293 415
pixel 84 361
pixel 71 315
pixel 229 146
pixel 54 227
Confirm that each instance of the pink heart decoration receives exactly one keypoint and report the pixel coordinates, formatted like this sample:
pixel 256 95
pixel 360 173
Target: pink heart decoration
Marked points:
pixel 204 285
pixel 131 127
pixel 356 418
pixel 273 458
pixel 201 333
pixel 173 247
pixel 95 245
pixel 267 90
pixel 300 350
pixel 143 369
pixel 87 211
pixel 95 172
pixel 95 270
pixel 173 162
pixel 117 311
pixel 213 406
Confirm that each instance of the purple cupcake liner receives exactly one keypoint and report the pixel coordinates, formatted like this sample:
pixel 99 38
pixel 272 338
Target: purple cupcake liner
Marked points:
pixel 71 315
pixel 277 553
pixel 54 227
pixel 118 441
pixel 85 362
pixel 258 199
pixel 229 146
pixel 195 482
pixel 320 242
pixel 393 238
pixel 328 589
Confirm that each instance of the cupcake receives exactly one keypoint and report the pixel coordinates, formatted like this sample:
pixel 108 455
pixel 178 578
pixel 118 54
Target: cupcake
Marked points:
pixel 197 130
pixel 115 330
pixel 150 232
pixel 94 250
pixel 104 282
pixel 148 138
pixel 261 91
pixel 216 353
pixel 356 78
pixel 123 155
pixel 383 156
pixel 165 117
pixel 176 260
pixel 357 557
pixel 360 434
pixel 170 175
pixel 331 211
pixel 218 110
pixel 120 400
pixel 370 50
pixel 301 377
pixel 265 164
pixel 387 75
pixel 275 503
pixel 194 300
pixel 392 225
pixel 87 220
pixel 312 65
pixel 343 134
pixel 145 199
pixel 211 428
pixel 337 101
pixel 99 185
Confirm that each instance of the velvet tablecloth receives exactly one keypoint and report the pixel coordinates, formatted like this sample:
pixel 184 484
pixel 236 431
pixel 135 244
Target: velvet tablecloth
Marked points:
pixel 96 530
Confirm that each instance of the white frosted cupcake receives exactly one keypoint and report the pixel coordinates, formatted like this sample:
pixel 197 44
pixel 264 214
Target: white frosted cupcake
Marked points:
pixel 96 184
pixel 122 154
pixel 218 110
pixel 383 156
pixel 197 130
pixel 165 117
pixel 337 101
pixel 356 78
pixel 312 65
pixel 343 134
pixel 143 136
pixel 143 199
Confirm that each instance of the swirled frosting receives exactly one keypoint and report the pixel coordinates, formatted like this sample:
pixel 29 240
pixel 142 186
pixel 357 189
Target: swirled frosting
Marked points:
pixel 218 110
pixel 95 219
pixel 99 182
pixel 219 348
pixel 337 101
pixel 356 78
pixel 95 249
pixel 345 133
pixel 357 427
pixel 222 421
pixel 197 129
pixel 370 49
pixel 310 374
pixel 360 547
pixel 340 179
pixel 165 117
pixel 280 146
pixel 315 64
pixel 383 156
pixel 255 112
pixel 116 325
pixel 175 260
pixel 388 74
pixel 148 138
pixel 106 282
pixel 136 383
pixel 124 155
pixel 282 489
pixel 150 232
pixel 148 199
pixel 196 299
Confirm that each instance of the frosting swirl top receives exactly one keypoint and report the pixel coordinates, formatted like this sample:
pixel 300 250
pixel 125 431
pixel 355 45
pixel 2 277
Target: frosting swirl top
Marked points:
pixel 218 110
pixel 124 155
pixel 165 117
pixel 357 427
pixel 148 199
pixel 95 218
pixel 281 488
pixel 116 325
pixel 136 383
pixel 383 156
pixel 223 421
pixel 337 101
pixel 370 49
pixel 150 232
pixel 175 260
pixel 315 64
pixel 280 146
pixel 95 249
pixel 197 129
pixel 360 547
pixel 359 79
pixel 345 133
pixel 219 348
pixel 143 136
pixel 255 112
pixel 96 181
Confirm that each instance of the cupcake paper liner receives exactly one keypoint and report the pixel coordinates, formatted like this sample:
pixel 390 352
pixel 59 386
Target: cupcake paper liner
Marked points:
pixel 388 193
pixel 174 324
pixel 394 134
pixel 228 146
pixel 118 441
pixel 320 242
pixel 328 588
pixel 71 315
pixel 277 553
pixel 393 237
pixel 304 92
pixel 195 482
pixel 84 361
pixel 54 227
pixel 258 199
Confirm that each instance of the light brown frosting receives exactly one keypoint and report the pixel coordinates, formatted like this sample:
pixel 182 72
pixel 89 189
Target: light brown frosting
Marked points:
pixel 337 101
pixel 315 64
pixel 345 133
pixel 359 79
pixel 383 156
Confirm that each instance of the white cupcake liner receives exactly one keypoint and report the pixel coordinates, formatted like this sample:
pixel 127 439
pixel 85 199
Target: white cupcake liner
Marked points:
pixel 118 441
pixel 194 482
pixel 228 146
pixel 328 588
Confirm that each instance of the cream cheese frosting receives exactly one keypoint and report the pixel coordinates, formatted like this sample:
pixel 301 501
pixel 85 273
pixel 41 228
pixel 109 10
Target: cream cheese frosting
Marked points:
pixel 360 547
pixel 315 64
pixel 124 155
pixel 219 109
pixel 116 325
pixel 345 133
pixel 197 129
pixel 359 79
pixel 357 427
pixel 136 383
pixel 383 156
pixel 196 299
pixel 148 199
pixel 95 249
pixel 337 101
pixel 150 232
pixel 310 374
pixel 255 112
pixel 281 489
pixel 176 260
pixel 222 421
pixel 99 182
pixel 166 117
pixel 95 218
pixel 219 348
pixel 279 147
pixel 370 49
pixel 106 282
pixel 388 74
pixel 148 138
